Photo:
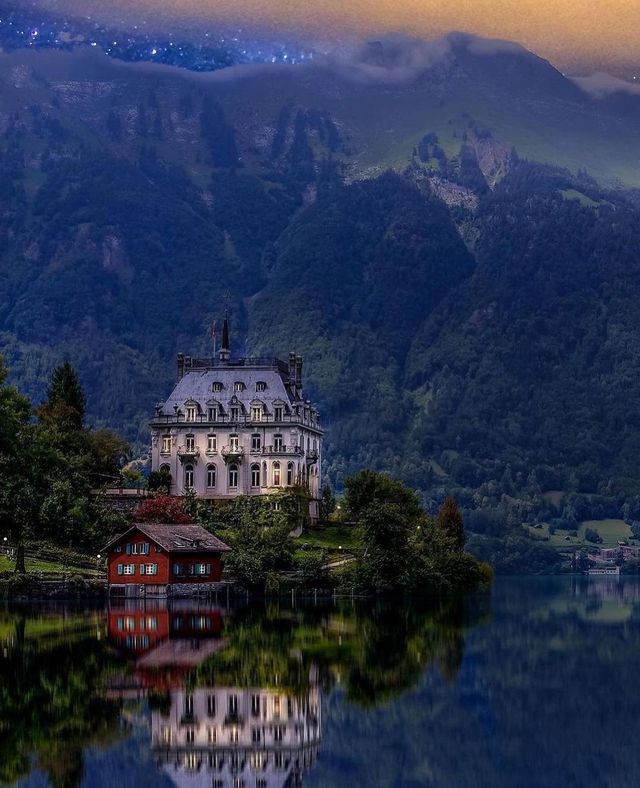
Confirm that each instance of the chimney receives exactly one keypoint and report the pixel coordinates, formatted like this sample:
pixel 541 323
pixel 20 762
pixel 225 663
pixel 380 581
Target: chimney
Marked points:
pixel 292 370
pixel 180 366
pixel 299 375
pixel 224 349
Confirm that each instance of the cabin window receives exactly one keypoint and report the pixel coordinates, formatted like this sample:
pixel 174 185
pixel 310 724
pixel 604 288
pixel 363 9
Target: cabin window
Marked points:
pixel 200 569
pixel 190 413
pixel 239 386
pixel 256 442
pixel 211 476
pixel 278 412
pixel 255 476
pixel 276 474
pixel 190 441
pixel 188 477
pixel 148 569
pixel 138 548
pixel 256 413
pixel 290 474
pixel 128 569
pixel 166 444
pixel 277 443
pixel 233 476
pixel 234 442
pixel 261 386
pixel 212 442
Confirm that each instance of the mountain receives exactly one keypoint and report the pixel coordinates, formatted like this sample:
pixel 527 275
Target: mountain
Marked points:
pixel 447 231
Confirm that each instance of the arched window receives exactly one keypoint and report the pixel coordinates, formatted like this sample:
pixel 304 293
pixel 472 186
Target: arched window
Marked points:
pixel 264 473
pixel 261 386
pixel 164 468
pixel 276 474
pixel 255 475
pixel 290 474
pixel 233 475
pixel 188 477
pixel 217 386
pixel 211 476
pixel 239 386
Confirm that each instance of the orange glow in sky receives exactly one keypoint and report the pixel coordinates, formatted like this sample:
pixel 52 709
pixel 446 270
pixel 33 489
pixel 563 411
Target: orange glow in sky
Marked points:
pixel 565 31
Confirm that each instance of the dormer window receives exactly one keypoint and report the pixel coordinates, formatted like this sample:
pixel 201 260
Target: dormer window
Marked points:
pixel 278 412
pixel 256 413
pixel 213 413
pixel 217 386
pixel 190 412
pixel 261 386
pixel 238 386
pixel 235 413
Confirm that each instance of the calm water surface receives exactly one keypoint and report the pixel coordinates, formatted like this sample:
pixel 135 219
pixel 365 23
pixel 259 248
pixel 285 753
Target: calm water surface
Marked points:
pixel 534 684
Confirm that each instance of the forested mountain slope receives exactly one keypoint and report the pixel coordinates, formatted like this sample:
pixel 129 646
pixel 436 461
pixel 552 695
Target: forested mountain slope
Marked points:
pixel 468 318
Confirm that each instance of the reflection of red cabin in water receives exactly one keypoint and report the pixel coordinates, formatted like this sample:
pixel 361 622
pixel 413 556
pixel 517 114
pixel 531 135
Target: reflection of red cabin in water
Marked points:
pixel 149 558
pixel 165 642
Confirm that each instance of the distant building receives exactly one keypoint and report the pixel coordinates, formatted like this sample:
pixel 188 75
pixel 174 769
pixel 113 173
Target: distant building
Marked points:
pixel 153 559
pixel 238 427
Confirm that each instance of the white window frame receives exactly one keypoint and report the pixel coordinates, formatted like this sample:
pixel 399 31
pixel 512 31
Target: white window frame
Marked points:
pixel 166 444
pixel 212 442
pixel 190 413
pixel 211 469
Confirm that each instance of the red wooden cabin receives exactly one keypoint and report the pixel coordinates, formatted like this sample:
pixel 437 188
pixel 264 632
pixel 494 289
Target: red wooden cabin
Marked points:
pixel 149 558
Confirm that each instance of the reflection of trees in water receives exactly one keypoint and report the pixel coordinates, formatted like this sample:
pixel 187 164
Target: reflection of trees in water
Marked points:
pixel 375 650
pixel 545 697
pixel 48 705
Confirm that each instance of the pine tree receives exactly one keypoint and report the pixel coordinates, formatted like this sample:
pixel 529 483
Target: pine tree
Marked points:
pixel 450 521
pixel 65 394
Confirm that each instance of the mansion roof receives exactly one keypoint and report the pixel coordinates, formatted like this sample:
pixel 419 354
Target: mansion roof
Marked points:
pixel 198 386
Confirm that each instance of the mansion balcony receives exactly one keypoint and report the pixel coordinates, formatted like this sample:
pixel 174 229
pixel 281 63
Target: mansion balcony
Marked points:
pixel 188 452
pixel 312 456
pixel 232 453
pixel 243 420
pixel 278 450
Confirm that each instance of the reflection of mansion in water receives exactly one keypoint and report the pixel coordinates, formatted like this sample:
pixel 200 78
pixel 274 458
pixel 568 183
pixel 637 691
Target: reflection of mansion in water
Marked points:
pixel 228 737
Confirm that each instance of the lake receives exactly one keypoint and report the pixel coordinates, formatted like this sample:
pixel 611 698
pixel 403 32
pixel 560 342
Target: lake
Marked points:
pixel 535 683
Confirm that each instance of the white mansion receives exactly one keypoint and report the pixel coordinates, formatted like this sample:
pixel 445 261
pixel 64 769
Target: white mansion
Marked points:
pixel 238 427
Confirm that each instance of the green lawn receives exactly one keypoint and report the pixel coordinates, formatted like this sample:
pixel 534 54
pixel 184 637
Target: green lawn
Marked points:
pixel 34 565
pixel 610 531
pixel 329 538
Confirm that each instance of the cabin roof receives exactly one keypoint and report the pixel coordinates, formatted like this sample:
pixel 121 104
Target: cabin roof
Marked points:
pixel 177 538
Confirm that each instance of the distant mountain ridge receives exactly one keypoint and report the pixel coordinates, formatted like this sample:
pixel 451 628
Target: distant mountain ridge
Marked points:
pixel 446 231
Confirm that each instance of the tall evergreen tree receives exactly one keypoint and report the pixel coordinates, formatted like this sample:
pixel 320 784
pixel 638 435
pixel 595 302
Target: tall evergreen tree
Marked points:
pixel 65 396
pixel 450 521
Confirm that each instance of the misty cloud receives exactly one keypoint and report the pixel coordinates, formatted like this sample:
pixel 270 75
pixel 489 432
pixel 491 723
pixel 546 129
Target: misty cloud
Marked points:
pixel 601 85
pixel 391 60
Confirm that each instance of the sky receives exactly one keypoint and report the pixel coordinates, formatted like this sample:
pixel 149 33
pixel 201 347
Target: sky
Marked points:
pixel 576 35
